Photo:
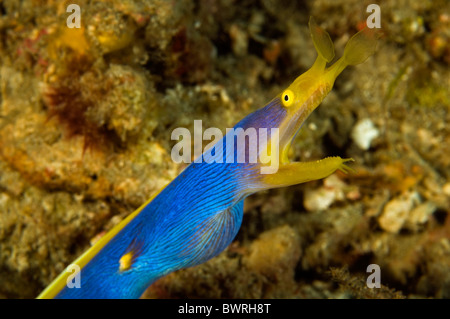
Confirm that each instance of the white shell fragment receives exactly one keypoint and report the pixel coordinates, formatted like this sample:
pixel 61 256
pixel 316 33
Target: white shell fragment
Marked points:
pixel 323 197
pixel 397 212
pixel 363 133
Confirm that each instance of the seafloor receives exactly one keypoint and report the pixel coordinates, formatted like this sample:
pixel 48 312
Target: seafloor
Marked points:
pixel 86 117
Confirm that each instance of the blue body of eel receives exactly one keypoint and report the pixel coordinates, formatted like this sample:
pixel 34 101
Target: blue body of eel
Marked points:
pixel 199 213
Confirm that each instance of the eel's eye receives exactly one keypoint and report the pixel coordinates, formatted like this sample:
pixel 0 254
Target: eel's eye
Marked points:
pixel 287 97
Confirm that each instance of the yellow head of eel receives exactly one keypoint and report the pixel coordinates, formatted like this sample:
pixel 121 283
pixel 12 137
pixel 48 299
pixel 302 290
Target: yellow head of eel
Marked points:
pixel 310 88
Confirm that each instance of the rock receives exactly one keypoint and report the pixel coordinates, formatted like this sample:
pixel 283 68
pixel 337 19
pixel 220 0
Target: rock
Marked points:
pixel 397 211
pixel 325 196
pixel 420 215
pixel 446 189
pixel 363 133
pixel 275 254
pixel 318 199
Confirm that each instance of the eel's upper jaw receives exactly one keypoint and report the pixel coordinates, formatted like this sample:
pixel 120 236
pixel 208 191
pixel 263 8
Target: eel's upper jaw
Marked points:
pixel 294 120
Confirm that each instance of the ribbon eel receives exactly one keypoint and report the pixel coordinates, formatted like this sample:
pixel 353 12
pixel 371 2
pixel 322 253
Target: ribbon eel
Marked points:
pixel 199 213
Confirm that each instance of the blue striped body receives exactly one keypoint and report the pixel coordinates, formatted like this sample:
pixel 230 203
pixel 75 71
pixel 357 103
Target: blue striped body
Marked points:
pixel 192 220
